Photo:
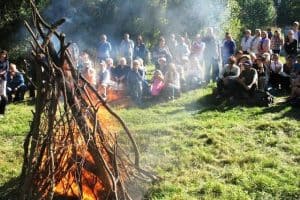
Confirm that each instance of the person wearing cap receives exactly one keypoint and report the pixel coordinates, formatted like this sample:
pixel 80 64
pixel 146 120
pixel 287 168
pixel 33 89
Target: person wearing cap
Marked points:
pixel 246 83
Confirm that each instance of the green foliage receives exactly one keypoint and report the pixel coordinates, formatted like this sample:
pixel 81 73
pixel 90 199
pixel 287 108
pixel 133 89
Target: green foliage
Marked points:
pixel 288 12
pixel 200 149
pixel 257 13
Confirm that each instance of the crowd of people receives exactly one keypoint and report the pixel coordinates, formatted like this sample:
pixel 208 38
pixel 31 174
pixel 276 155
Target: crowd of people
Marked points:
pixel 181 64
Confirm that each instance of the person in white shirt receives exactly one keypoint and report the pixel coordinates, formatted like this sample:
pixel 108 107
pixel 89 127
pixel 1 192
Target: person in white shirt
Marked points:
pixel 246 42
pixel 255 41
pixel 276 68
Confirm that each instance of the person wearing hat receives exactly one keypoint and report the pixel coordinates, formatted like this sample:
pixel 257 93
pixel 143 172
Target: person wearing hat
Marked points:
pixel 246 83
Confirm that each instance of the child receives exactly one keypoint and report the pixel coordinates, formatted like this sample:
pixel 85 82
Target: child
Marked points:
pixel 157 83
pixel 103 79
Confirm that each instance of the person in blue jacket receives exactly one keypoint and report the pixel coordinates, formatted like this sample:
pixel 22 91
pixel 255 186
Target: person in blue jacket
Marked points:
pixel 15 84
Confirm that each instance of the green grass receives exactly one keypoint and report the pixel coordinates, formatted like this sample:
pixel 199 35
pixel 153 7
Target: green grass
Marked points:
pixel 200 148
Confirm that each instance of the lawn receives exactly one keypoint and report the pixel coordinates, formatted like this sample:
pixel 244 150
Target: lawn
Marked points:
pixel 201 149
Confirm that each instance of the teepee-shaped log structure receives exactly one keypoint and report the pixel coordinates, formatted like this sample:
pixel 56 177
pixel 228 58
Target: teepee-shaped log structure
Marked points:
pixel 77 147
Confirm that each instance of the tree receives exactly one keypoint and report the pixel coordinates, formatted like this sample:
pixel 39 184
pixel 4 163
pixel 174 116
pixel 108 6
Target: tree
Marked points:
pixel 257 13
pixel 288 12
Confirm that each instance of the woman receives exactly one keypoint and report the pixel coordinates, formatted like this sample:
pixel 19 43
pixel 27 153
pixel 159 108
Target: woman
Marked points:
pixel 4 65
pixel 276 42
pixel 161 51
pixel 172 82
pixel 140 50
pixel 265 43
pixel 290 45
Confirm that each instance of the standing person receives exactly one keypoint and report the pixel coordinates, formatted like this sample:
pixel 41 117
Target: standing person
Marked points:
pixel 161 51
pixel 172 44
pixel 126 48
pixel 15 84
pixel 103 79
pixel 197 48
pixel 182 50
pixel 228 48
pixel 104 48
pixel 269 33
pixel 290 44
pixel 264 44
pixel 246 42
pixel 211 55
pixel 276 42
pixel 295 28
pixel 255 42
pixel 4 66
pixel 140 50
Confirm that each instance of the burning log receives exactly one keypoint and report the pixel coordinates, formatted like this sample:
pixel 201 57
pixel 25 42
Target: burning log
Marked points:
pixel 77 147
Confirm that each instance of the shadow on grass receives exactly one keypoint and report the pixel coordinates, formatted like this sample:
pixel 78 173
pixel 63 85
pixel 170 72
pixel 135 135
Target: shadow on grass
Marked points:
pixel 210 103
pixel 283 110
pixel 10 190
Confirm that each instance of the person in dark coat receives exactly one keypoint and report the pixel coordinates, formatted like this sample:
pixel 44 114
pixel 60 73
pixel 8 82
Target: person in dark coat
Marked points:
pixel 4 65
pixel 15 84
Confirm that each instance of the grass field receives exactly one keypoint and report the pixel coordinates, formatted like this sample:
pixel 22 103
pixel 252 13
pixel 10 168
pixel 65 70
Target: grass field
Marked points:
pixel 200 148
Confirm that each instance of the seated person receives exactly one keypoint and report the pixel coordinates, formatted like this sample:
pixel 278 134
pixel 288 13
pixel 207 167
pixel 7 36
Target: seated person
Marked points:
pixel 276 68
pixel 90 75
pixel 246 83
pixel 261 72
pixel 103 79
pixel 109 64
pixel 157 83
pixel 295 88
pixel 119 74
pixel 135 83
pixel 15 84
pixel 287 74
pixel 229 73
pixel 172 82
pixel 84 61
pixel 296 67
pixel 194 74
pixel 162 65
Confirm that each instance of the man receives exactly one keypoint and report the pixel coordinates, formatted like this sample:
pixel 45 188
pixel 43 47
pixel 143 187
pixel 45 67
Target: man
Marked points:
pixel 104 48
pixel 228 48
pixel 246 42
pixel 15 84
pixel 246 83
pixel 295 28
pixel 211 55
pixel 127 48
pixel 228 76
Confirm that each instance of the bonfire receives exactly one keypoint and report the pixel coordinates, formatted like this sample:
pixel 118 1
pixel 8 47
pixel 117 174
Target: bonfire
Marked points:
pixel 77 147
